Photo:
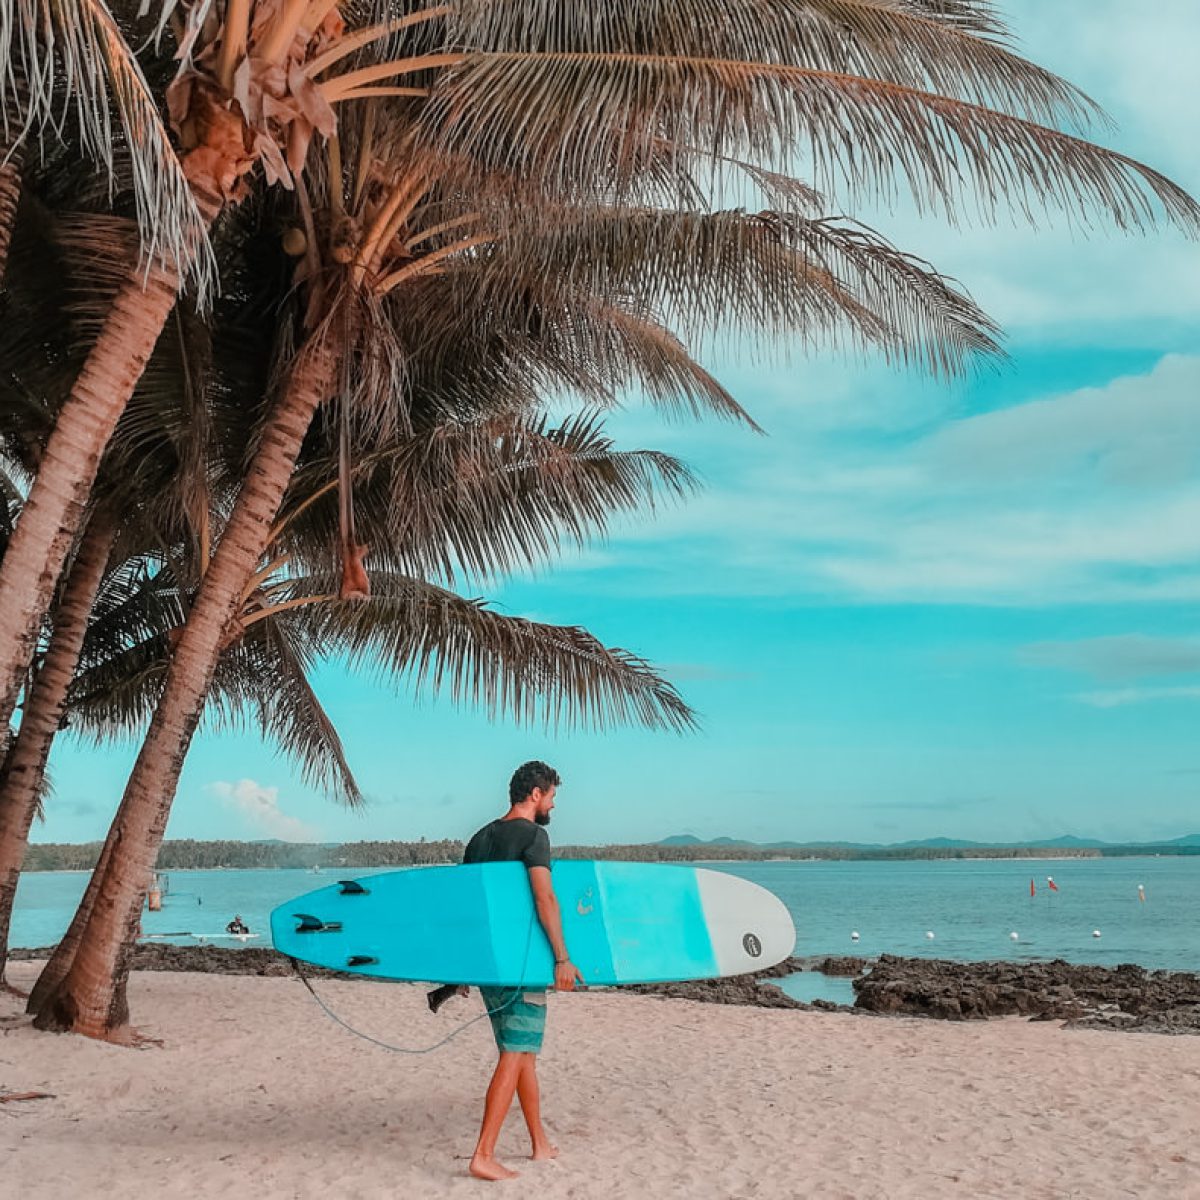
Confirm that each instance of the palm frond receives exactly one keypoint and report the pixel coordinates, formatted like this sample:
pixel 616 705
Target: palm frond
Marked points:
pixel 55 53
pixel 560 675
pixel 925 46
pixel 559 117
pixel 267 674
pixel 485 497
pixel 763 275
pixel 11 499
pixel 116 696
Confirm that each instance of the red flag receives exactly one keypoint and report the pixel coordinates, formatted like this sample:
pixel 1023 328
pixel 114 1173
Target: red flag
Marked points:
pixel 1051 884
pixel 1032 889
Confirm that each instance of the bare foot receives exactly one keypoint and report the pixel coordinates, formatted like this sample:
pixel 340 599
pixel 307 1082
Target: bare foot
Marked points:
pixel 544 1152
pixel 489 1168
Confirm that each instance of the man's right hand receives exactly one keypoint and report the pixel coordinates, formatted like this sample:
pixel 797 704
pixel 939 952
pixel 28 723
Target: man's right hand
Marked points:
pixel 566 976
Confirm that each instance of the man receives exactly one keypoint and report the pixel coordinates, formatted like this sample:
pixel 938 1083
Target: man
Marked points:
pixel 519 1018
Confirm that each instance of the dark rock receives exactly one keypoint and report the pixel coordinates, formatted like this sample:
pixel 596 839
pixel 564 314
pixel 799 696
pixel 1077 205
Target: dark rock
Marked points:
pixel 842 965
pixel 738 989
pixel 212 960
pixel 1126 997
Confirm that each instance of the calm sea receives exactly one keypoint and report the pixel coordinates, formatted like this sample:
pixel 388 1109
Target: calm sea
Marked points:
pixel 971 907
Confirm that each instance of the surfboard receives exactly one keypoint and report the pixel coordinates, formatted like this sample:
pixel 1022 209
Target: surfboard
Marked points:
pixel 623 923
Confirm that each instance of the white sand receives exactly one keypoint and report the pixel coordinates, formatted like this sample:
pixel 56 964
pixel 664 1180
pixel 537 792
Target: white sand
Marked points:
pixel 256 1093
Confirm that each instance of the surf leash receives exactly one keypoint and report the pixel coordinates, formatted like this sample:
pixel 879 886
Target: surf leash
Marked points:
pixel 366 1037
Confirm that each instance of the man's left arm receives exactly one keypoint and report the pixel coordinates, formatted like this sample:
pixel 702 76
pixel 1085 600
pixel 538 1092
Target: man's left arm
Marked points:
pixel 566 973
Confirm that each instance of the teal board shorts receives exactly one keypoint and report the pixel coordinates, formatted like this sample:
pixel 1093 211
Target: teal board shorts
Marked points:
pixel 518 1020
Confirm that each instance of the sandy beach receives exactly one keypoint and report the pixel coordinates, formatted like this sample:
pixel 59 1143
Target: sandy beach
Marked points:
pixel 256 1093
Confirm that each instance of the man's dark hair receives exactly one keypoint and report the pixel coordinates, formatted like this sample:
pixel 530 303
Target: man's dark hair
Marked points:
pixel 531 775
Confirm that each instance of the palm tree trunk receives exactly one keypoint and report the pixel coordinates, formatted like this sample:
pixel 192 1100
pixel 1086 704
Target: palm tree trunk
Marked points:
pixel 12 160
pixel 25 765
pixel 50 516
pixel 55 970
pixel 90 999
pixel 10 197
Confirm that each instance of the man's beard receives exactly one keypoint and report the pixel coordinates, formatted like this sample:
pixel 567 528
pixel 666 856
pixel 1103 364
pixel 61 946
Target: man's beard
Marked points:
pixel 542 818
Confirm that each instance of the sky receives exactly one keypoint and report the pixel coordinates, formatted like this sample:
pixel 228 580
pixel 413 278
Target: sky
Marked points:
pixel 909 609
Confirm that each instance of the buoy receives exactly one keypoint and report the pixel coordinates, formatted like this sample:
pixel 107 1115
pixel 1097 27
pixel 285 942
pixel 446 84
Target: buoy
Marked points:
pixel 929 934
pixel 1095 933
pixel 854 935
pixel 1015 936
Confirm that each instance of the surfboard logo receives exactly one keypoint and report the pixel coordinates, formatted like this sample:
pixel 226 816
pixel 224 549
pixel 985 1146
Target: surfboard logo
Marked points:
pixel 752 945
pixel 585 904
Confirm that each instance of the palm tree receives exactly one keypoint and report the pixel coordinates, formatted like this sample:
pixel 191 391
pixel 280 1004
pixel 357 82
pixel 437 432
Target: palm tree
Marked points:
pixel 23 773
pixel 530 476
pixel 407 628
pixel 71 55
pixel 258 102
pixel 645 99
pixel 534 131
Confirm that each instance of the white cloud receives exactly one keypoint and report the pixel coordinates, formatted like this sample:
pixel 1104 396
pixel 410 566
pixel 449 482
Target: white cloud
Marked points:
pixel 1142 431
pixel 1121 656
pixel 259 807
pixel 1051 284
pixel 1090 496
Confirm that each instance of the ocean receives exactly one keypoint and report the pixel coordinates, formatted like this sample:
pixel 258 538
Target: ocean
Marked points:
pixel 971 906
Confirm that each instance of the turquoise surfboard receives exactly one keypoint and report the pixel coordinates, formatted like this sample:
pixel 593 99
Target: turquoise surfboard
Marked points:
pixel 623 923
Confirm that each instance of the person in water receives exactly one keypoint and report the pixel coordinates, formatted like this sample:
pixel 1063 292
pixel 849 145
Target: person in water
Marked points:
pixel 237 925
pixel 519 1017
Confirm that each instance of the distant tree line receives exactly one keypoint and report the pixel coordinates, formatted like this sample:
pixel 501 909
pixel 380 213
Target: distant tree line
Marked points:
pixel 187 854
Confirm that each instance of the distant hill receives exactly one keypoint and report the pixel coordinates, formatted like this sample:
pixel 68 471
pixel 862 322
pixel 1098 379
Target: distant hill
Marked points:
pixel 1067 841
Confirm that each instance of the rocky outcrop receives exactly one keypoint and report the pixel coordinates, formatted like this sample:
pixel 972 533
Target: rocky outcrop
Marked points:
pixel 739 989
pixel 1125 997
pixel 213 960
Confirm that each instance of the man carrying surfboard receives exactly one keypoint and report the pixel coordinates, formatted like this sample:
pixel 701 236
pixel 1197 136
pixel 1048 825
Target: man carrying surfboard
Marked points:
pixel 519 1019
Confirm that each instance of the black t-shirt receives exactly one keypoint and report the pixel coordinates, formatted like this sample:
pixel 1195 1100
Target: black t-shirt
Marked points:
pixel 503 840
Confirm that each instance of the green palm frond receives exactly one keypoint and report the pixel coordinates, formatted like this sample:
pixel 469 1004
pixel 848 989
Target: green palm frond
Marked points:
pixel 56 54
pixel 560 675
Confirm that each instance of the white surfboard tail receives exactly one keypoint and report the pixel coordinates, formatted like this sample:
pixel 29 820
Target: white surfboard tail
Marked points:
pixel 750 927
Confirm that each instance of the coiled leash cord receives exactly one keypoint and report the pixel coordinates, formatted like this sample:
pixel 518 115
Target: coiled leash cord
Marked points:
pixel 366 1037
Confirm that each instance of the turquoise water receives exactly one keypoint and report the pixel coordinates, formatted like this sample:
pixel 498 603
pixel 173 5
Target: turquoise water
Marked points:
pixel 971 907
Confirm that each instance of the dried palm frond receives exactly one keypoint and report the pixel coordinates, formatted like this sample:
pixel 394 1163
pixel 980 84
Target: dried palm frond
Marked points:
pixel 933 48
pixel 56 54
pixel 558 117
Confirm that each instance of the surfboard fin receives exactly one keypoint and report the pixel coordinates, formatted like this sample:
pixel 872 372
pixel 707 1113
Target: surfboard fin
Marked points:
pixel 351 887
pixel 360 960
pixel 309 924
